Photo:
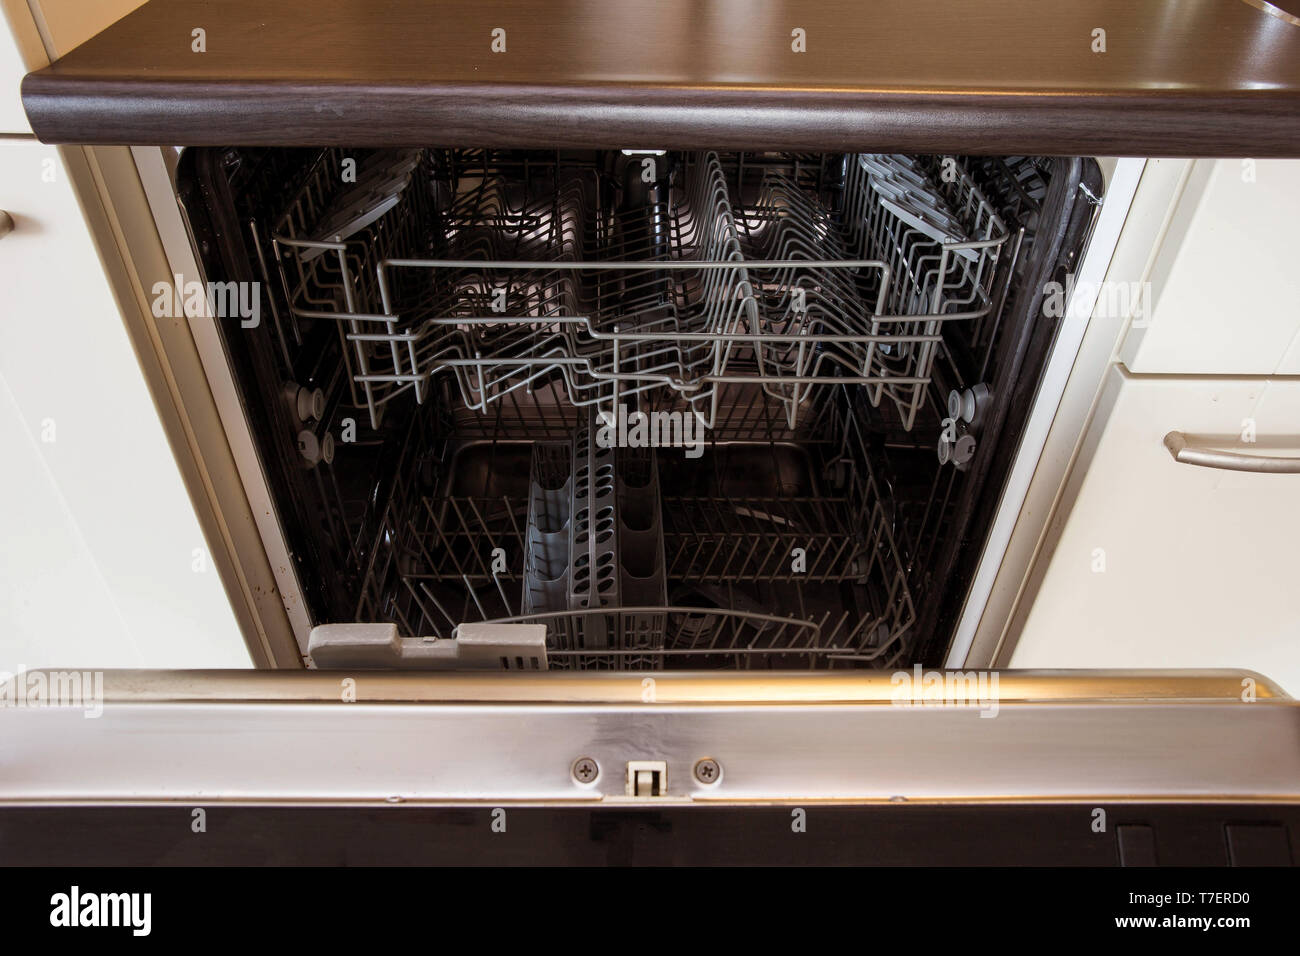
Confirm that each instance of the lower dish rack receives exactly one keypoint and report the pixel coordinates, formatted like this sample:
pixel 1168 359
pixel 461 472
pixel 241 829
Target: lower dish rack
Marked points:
pixel 762 554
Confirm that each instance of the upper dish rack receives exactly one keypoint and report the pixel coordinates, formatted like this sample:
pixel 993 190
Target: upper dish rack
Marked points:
pixel 472 273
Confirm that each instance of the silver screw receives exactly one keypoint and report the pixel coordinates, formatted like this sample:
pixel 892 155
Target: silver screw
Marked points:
pixel 708 771
pixel 585 770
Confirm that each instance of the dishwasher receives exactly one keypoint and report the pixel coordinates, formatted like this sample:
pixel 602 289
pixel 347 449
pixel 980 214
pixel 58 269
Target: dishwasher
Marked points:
pixel 618 416
pixel 635 410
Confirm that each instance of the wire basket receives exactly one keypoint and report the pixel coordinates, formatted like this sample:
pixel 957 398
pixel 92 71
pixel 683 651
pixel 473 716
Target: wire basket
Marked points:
pixel 504 288
pixel 695 577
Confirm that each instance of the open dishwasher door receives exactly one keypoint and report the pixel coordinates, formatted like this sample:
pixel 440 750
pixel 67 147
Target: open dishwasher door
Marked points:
pixel 1107 768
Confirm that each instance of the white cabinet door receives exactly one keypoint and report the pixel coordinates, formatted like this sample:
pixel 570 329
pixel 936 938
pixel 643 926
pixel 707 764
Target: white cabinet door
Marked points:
pixel 1163 564
pixel 1224 280
pixel 94 517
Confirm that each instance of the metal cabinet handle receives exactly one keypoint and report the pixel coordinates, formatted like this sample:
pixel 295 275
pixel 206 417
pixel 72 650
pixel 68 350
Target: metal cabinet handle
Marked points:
pixel 1176 442
pixel 6 223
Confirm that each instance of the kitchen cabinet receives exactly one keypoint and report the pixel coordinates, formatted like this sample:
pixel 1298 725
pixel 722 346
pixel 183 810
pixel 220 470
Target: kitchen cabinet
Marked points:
pixel 1223 284
pixel 1159 563
pixel 674 646
pixel 104 562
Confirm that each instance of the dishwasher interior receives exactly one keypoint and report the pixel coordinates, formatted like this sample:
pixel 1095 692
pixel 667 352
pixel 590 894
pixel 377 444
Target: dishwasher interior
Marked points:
pixel 683 410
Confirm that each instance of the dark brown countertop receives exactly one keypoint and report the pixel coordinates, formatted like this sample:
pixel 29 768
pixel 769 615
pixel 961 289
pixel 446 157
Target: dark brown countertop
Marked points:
pixel 1178 77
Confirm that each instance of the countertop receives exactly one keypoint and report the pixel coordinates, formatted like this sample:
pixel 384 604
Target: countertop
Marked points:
pixel 1176 77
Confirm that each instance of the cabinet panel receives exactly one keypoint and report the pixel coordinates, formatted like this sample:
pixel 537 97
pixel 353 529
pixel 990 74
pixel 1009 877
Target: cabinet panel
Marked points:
pixel 124 545
pixel 1224 284
pixel 1164 564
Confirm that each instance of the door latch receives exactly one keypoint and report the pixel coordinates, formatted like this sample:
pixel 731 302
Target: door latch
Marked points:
pixel 647 778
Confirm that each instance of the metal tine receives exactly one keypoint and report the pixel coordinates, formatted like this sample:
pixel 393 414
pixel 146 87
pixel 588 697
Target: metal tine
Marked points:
pixel 470 590
pixel 505 601
pixel 451 619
